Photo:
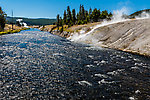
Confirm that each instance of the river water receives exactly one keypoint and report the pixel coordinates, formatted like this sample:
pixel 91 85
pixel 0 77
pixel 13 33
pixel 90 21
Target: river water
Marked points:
pixel 39 65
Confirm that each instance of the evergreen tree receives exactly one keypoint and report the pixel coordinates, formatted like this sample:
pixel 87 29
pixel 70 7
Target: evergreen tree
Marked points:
pixel 2 20
pixel 65 18
pixel 82 13
pixel 104 14
pixel 78 19
pixel 95 15
pixel 82 17
pixel 18 23
pixel 62 29
pixel 110 15
pixel 61 25
pixel 58 22
pixel 90 13
pixel 86 17
pixel 73 16
pixel 68 15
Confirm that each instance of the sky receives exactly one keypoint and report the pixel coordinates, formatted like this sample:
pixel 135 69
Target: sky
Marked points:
pixel 50 8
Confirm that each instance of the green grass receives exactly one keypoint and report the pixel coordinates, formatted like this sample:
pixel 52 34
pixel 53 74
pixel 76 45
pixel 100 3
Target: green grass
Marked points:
pixel 12 31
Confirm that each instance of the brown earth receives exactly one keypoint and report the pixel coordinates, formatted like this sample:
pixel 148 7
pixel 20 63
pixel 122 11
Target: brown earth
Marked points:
pixel 9 27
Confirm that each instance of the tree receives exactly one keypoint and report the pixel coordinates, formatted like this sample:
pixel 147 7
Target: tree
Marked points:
pixel 62 29
pixel 65 18
pixel 68 15
pixel 58 21
pixel 95 15
pixel 18 23
pixel 61 25
pixel 82 13
pixel 2 19
pixel 73 16
pixel 90 13
pixel 86 17
pixel 110 15
pixel 104 14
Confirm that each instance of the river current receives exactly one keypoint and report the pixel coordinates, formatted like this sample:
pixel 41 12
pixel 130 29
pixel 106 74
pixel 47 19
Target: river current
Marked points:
pixel 38 65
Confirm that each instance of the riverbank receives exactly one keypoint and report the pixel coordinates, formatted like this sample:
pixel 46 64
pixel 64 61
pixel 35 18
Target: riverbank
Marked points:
pixel 68 31
pixel 36 64
pixel 16 29
pixel 129 36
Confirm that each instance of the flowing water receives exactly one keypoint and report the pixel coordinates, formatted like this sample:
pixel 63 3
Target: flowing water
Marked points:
pixel 39 65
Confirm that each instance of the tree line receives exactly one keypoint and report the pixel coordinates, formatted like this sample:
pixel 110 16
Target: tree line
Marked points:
pixel 2 19
pixel 84 16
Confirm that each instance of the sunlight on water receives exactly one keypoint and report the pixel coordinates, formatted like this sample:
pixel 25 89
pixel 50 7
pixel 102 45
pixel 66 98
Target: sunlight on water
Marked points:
pixel 37 64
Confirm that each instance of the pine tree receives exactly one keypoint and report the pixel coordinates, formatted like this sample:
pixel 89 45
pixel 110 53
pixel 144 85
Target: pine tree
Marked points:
pixel 90 13
pixel 110 15
pixel 86 17
pixel 73 16
pixel 68 15
pixel 2 20
pixel 82 17
pixel 62 29
pixel 82 13
pixel 58 22
pixel 65 18
pixel 95 15
pixel 61 25
pixel 104 14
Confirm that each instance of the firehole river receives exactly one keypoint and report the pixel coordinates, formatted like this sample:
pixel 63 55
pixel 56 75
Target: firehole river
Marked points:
pixel 38 65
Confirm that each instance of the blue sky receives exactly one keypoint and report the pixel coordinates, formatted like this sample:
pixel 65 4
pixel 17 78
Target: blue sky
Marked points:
pixel 50 8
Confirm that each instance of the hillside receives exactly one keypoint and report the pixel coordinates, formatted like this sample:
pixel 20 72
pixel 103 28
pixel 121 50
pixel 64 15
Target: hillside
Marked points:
pixel 131 36
pixel 31 21
pixel 138 13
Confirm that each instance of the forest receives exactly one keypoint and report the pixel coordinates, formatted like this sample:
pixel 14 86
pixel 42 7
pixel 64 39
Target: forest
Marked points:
pixel 71 17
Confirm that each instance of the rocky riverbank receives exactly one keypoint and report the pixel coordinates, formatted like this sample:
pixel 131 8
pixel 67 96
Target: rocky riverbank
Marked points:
pixel 130 36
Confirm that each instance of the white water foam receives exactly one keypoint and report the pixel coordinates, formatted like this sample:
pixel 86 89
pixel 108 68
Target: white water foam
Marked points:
pixel 84 83
pixel 101 75
pixel 105 82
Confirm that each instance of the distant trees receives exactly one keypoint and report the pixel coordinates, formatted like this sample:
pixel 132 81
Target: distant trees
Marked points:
pixel 73 16
pixel 84 16
pixel 58 22
pixel 2 19
pixel 65 18
pixel 18 23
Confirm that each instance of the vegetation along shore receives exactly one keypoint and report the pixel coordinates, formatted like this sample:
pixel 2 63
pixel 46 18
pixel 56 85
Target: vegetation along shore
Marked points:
pixel 8 28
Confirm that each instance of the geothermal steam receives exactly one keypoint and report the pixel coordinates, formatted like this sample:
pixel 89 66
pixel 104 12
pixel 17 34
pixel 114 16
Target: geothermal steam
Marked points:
pixel 22 23
pixel 117 17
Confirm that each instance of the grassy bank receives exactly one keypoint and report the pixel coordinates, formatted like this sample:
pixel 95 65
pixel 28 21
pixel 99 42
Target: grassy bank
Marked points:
pixel 12 31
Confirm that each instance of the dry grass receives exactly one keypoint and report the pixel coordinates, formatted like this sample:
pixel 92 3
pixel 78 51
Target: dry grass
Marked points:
pixel 8 29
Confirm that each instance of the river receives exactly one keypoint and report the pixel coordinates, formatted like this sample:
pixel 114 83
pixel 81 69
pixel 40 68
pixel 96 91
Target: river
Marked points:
pixel 39 65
